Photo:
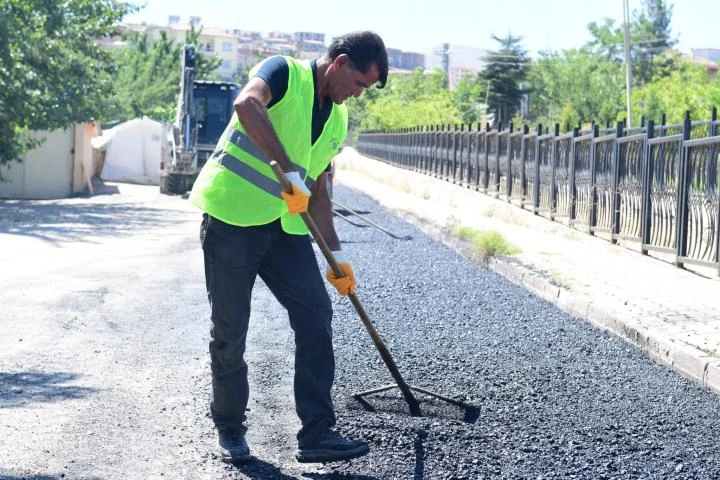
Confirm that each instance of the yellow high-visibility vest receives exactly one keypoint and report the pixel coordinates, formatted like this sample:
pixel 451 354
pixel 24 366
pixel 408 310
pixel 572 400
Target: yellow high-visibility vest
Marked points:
pixel 237 185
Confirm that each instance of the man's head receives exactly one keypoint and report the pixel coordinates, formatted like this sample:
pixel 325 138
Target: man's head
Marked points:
pixel 359 60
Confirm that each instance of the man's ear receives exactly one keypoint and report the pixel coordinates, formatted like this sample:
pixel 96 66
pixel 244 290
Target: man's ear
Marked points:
pixel 341 60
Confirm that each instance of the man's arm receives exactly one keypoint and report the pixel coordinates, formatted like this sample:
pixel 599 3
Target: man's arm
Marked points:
pixel 251 108
pixel 321 211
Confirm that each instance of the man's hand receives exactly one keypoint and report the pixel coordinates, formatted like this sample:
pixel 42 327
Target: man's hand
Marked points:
pixel 298 200
pixel 345 284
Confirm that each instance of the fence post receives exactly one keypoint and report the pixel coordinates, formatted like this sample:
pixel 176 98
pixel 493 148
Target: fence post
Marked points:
pixel 536 173
pixel 429 149
pixel 411 148
pixel 555 157
pixel 714 132
pixel 509 176
pixel 467 180
pixel 681 217
pixel 420 148
pixel 417 147
pixel 425 167
pixel 439 150
pixel 663 122
pixel 448 151
pixel 523 153
pixel 615 199
pixel 486 165
pixel 475 138
pixel 457 157
pixel 571 180
pixel 646 207
pixel 496 166
pixel 592 211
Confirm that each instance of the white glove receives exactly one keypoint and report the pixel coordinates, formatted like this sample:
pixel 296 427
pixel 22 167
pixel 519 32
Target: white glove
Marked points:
pixel 298 184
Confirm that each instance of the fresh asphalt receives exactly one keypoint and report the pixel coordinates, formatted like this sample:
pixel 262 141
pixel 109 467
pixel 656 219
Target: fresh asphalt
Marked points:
pixel 104 371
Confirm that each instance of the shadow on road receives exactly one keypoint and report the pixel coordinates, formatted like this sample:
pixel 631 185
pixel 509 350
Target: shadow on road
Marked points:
pixel 338 476
pixel 258 469
pixel 419 445
pixel 55 223
pixel 20 388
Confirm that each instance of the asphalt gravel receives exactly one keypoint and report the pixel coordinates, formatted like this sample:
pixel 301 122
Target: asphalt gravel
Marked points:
pixel 556 397
pixel 104 368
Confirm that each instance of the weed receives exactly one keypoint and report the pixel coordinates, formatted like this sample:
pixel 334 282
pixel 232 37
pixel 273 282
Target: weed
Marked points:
pixel 464 233
pixel 485 243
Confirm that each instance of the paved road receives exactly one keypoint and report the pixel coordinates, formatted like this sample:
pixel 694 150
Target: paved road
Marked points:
pixel 104 370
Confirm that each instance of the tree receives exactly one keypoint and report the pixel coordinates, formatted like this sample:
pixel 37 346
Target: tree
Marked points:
pixel 147 79
pixel 467 99
pixel 406 101
pixel 607 40
pixel 688 87
pixel 148 76
pixel 504 70
pixel 51 71
pixel 650 38
pixel 654 39
pixel 575 85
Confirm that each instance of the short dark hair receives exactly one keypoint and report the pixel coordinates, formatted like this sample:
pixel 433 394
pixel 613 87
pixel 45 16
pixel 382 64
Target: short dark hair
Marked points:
pixel 364 49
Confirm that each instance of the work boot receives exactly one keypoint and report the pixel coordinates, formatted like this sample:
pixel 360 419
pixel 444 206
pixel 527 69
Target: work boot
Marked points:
pixel 329 446
pixel 233 447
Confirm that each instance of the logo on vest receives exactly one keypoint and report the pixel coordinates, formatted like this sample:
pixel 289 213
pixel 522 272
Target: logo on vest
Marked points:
pixel 334 144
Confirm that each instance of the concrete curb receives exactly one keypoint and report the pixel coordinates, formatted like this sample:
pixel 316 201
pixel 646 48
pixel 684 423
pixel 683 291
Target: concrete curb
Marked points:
pixel 682 359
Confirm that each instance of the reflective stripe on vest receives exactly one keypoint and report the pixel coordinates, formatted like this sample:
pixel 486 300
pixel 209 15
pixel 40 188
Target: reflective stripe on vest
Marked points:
pixel 267 185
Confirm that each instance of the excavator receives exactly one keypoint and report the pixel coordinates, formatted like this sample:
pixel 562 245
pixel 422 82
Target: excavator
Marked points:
pixel 203 111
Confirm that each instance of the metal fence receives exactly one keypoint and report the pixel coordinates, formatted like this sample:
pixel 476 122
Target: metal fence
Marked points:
pixel 658 185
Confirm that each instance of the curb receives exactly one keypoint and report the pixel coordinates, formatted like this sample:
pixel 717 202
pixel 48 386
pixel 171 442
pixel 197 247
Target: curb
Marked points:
pixel 682 359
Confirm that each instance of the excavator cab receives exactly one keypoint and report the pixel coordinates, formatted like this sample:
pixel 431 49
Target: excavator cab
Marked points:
pixel 204 110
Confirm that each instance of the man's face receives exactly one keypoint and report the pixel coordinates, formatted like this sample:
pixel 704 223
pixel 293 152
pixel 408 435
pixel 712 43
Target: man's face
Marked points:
pixel 349 81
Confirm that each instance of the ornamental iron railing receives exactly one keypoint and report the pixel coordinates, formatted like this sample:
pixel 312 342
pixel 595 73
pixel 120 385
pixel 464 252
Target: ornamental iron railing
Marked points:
pixel 658 185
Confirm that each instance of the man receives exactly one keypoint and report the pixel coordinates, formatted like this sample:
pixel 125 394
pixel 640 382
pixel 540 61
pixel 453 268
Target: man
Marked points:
pixel 290 111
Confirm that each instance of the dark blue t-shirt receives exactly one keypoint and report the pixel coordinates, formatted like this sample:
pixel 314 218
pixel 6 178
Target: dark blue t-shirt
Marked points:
pixel 275 72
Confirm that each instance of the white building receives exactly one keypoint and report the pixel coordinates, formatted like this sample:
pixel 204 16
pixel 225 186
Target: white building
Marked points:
pixel 461 59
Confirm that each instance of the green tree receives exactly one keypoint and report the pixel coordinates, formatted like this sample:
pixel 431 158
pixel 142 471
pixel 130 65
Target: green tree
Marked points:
pixel 147 79
pixel 575 85
pixel 650 39
pixel 607 40
pixel 505 68
pixel 148 76
pixel 687 88
pixel 51 71
pixel 412 100
pixel 467 99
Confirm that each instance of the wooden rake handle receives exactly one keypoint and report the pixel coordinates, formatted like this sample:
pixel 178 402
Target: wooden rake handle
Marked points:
pixel 379 344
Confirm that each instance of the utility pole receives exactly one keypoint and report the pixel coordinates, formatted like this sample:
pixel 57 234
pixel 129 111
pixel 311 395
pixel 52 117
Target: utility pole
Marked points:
pixel 628 62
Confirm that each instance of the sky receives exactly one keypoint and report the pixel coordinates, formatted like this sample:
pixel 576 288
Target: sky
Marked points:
pixel 422 25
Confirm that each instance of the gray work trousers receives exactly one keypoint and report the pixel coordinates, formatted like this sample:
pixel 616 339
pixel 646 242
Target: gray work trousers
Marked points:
pixel 234 257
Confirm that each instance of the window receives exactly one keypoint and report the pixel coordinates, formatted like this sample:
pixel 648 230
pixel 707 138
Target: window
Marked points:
pixel 227 47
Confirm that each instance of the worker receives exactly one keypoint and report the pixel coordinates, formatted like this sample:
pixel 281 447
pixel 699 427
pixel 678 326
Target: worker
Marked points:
pixel 290 111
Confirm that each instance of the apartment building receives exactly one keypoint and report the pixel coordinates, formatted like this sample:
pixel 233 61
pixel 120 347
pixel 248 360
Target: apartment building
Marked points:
pixel 401 60
pixel 309 45
pixel 219 42
pixel 457 60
